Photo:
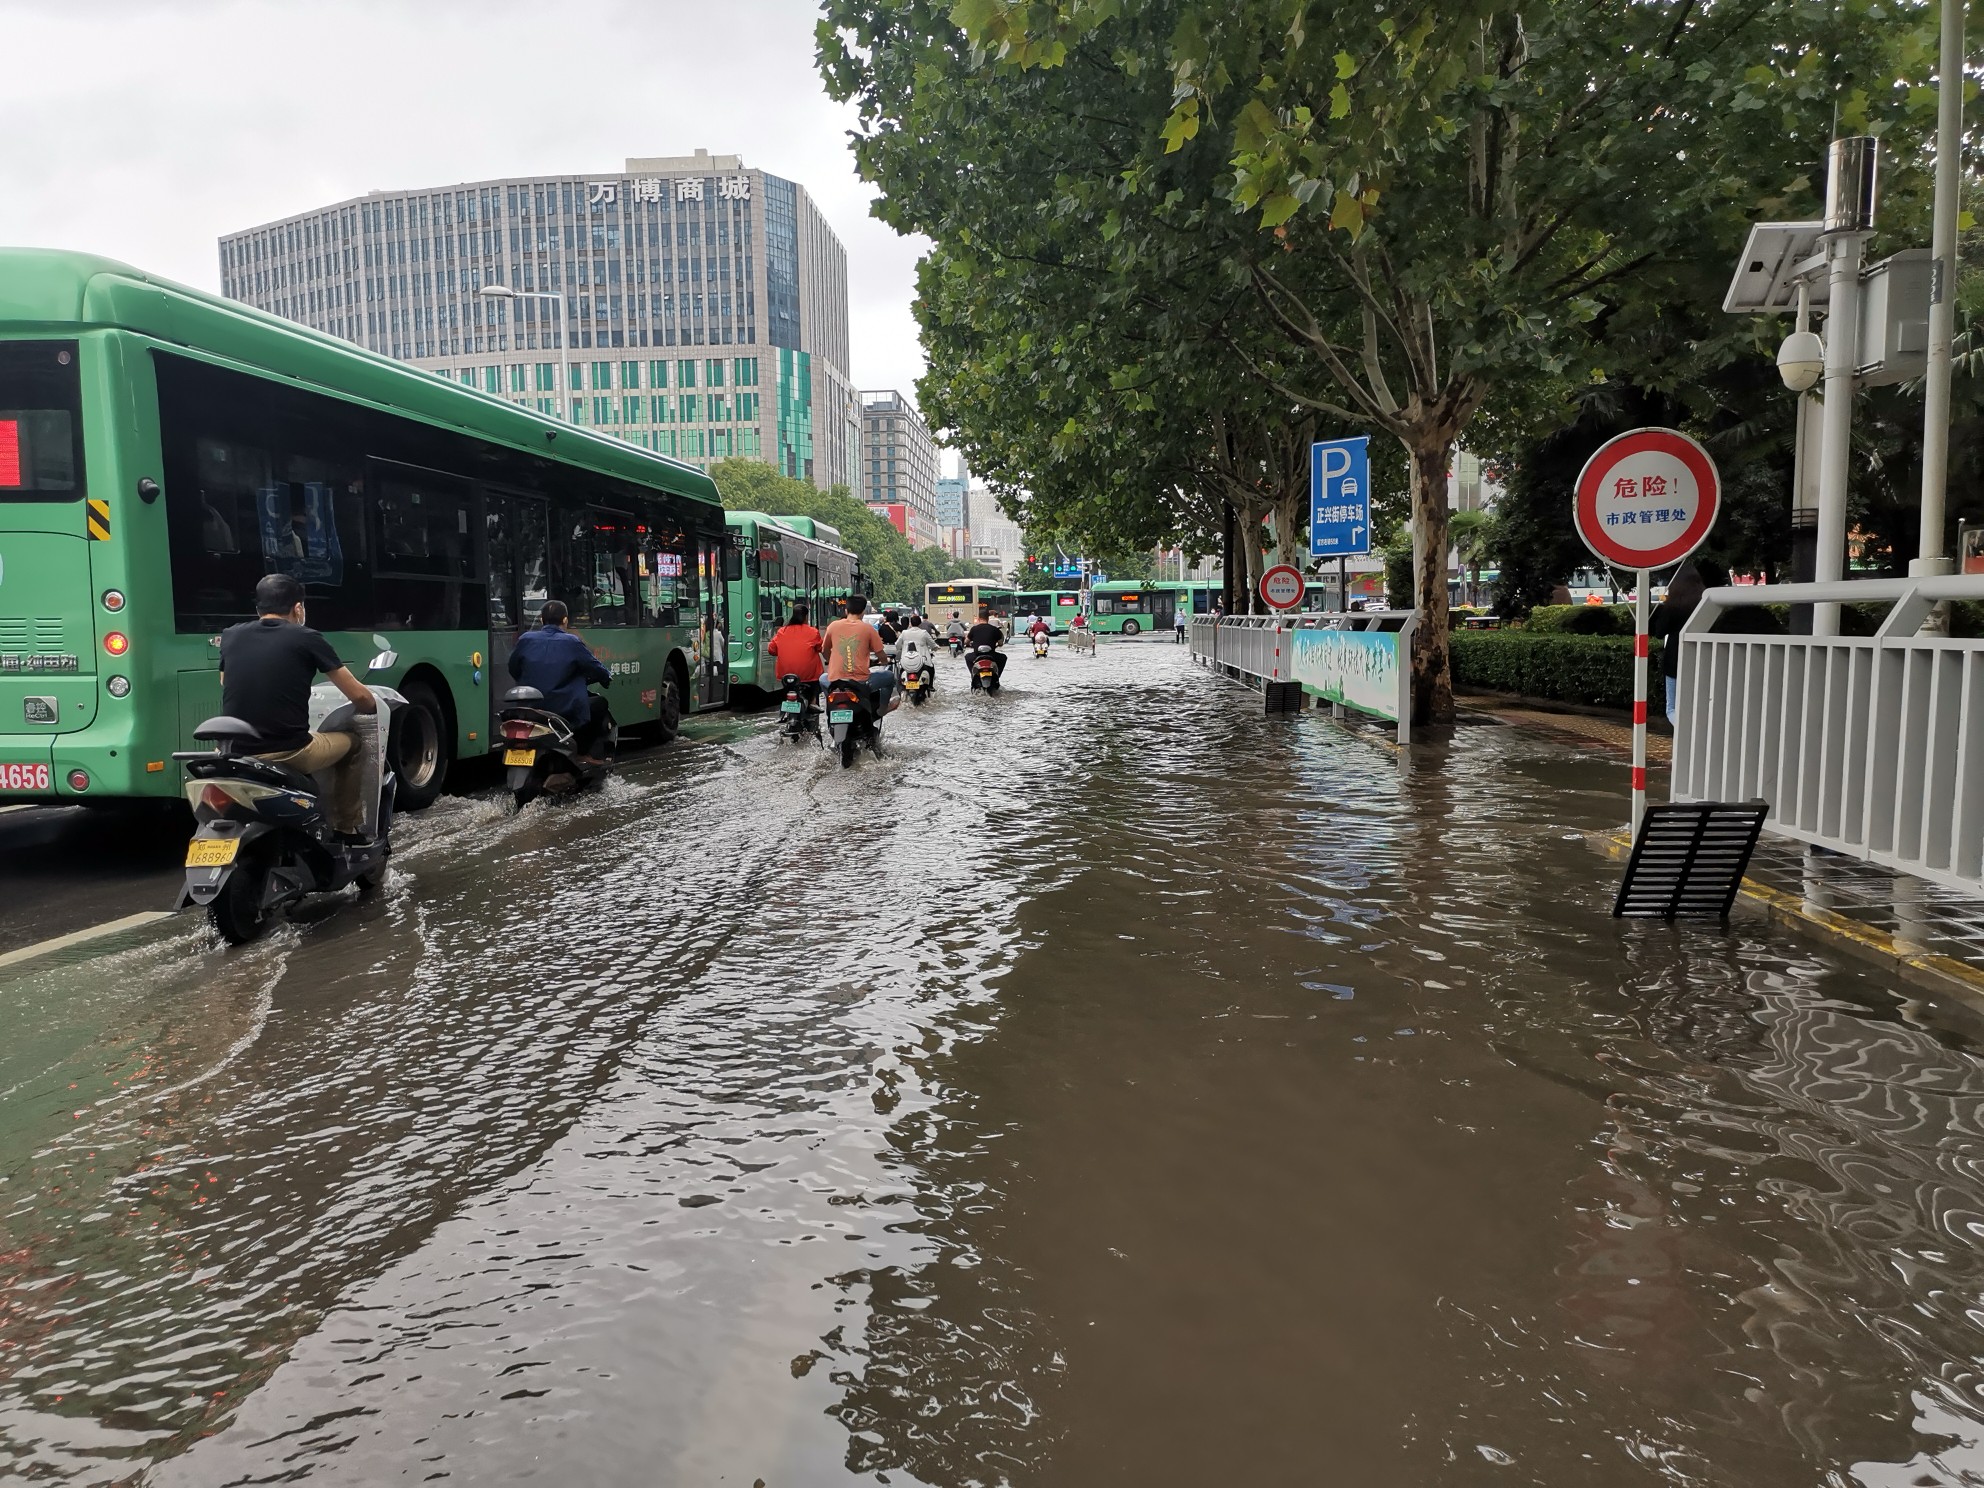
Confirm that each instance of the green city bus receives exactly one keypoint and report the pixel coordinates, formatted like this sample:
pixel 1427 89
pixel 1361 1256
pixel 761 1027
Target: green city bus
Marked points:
pixel 1060 606
pixel 781 567
pixel 1122 607
pixel 965 596
pixel 161 449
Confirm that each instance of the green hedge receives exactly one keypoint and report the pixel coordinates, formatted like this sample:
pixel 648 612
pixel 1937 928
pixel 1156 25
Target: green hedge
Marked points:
pixel 1596 670
pixel 1581 619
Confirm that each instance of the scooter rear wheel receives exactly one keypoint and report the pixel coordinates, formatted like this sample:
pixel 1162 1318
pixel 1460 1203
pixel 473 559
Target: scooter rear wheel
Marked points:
pixel 237 913
pixel 848 747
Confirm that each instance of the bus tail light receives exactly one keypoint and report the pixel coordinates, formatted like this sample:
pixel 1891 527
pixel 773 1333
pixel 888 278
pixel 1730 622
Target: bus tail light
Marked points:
pixel 79 780
pixel 117 643
pixel 113 600
pixel 118 687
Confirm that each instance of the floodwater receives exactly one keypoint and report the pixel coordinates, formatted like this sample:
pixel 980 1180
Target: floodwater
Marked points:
pixel 1111 1085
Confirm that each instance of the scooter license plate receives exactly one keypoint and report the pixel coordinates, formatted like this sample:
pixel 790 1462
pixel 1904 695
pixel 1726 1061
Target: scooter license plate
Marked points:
pixel 211 852
pixel 841 715
pixel 519 756
pixel 912 683
pixel 791 705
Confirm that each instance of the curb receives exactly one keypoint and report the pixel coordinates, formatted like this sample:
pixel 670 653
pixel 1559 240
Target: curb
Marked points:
pixel 1864 943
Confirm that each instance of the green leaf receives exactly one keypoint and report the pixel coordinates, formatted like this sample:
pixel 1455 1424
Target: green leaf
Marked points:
pixel 1348 214
pixel 1346 65
pixel 1278 208
pixel 1251 129
pixel 1339 102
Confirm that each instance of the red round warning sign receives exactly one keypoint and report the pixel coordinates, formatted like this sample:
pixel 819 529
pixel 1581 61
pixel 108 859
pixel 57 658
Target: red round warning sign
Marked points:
pixel 1281 587
pixel 1647 499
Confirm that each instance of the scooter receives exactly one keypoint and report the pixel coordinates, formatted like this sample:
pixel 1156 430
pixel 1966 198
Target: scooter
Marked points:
pixel 851 720
pixel 798 713
pixel 261 840
pixel 541 751
pixel 984 669
pixel 919 683
pixel 1040 644
pixel 957 645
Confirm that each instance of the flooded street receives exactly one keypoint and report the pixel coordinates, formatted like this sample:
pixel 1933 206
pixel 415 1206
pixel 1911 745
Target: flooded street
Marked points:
pixel 1110 1085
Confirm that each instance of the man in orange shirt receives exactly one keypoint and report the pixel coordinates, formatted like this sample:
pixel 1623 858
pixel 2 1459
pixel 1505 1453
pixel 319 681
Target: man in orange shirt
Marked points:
pixel 850 645
pixel 795 650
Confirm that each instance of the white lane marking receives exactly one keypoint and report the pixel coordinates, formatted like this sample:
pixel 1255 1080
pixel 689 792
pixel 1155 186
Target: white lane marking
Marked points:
pixel 79 937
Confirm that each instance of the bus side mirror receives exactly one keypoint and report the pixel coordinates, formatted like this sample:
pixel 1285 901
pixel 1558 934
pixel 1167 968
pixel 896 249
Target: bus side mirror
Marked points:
pixel 733 565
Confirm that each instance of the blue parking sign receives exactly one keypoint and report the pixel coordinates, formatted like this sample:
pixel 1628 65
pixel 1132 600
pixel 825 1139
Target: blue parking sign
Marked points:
pixel 1340 498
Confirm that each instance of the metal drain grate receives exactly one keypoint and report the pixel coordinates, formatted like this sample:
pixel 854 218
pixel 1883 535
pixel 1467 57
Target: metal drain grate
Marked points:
pixel 1689 859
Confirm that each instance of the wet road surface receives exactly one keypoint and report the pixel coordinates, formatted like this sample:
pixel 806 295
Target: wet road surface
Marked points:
pixel 1111 1085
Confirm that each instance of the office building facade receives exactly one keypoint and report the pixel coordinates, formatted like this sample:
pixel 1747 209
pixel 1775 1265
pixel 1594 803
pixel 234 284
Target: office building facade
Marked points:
pixel 688 304
pixel 953 524
pixel 899 466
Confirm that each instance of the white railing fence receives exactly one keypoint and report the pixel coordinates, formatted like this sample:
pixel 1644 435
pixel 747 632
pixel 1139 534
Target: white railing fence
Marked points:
pixel 1260 650
pixel 1872 746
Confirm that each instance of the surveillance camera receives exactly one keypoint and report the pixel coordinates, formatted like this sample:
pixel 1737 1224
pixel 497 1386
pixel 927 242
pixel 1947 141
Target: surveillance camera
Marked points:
pixel 1801 360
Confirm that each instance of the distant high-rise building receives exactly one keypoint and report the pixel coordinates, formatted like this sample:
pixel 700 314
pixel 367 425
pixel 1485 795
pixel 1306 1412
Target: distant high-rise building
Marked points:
pixel 688 304
pixel 996 540
pixel 899 466
pixel 953 522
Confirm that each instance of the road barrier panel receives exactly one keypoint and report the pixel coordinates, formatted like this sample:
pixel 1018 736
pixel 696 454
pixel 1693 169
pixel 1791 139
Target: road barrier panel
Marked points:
pixel 1355 660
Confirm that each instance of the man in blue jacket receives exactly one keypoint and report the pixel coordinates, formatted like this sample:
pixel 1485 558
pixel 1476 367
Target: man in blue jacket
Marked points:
pixel 559 665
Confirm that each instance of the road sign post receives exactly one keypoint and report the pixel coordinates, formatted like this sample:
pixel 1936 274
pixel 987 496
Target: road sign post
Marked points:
pixel 1645 500
pixel 1340 498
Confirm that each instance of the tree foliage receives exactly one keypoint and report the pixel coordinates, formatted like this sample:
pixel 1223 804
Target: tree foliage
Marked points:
pixel 1387 219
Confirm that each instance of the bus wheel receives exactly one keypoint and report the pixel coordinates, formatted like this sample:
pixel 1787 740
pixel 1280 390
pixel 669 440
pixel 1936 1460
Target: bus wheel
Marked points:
pixel 423 747
pixel 669 724
pixel 1130 627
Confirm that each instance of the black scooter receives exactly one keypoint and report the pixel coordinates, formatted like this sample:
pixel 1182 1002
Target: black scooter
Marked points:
pixel 540 750
pixel 261 840
pixel 798 710
pixel 957 645
pixel 852 720
pixel 984 666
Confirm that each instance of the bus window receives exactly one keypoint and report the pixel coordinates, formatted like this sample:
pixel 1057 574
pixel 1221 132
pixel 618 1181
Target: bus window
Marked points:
pixel 612 569
pixel 41 421
pixel 517 560
pixel 427 570
pixel 661 580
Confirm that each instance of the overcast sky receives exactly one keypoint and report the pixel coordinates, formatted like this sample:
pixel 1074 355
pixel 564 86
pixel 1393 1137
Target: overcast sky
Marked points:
pixel 144 129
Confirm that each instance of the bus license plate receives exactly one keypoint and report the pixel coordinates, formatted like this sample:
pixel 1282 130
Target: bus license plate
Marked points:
pixel 841 715
pixel 24 777
pixel 520 756
pixel 791 705
pixel 211 852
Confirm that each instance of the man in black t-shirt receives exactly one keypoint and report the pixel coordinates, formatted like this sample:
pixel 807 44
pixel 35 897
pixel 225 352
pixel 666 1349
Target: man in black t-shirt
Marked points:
pixel 986 633
pixel 267 667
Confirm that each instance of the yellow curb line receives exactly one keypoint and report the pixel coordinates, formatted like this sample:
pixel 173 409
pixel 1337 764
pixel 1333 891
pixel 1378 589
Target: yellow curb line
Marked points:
pixel 1943 972
pixel 80 937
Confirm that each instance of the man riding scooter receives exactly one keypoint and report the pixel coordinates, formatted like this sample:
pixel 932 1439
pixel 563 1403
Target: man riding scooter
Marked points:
pixel 559 665
pixel 267 667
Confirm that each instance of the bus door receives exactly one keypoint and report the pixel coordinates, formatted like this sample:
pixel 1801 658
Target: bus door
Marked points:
pixel 713 556
pixel 519 580
pixel 1163 608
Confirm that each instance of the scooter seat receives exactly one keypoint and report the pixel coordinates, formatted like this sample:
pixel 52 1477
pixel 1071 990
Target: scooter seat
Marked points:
pixel 233 730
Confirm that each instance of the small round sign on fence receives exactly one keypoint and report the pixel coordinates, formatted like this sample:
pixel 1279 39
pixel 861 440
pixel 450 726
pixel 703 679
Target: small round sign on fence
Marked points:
pixel 1647 498
pixel 1281 587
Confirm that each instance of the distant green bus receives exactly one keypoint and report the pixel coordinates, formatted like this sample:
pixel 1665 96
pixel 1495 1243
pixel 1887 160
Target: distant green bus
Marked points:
pixel 1059 606
pixel 781 567
pixel 1125 608
pixel 162 449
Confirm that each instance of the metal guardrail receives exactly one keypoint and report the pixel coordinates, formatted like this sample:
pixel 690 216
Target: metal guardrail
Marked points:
pixel 1871 746
pixel 1257 649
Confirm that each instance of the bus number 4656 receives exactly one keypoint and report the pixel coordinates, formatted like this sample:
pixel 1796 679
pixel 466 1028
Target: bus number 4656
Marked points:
pixel 24 777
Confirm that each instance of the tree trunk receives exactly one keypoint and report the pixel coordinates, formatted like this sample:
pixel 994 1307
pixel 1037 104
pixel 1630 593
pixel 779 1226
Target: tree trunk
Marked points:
pixel 1257 562
pixel 1432 679
pixel 1231 562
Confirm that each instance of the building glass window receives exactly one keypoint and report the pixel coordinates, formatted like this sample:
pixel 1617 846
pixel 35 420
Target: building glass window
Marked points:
pixel 630 374
pixel 685 374
pixel 657 374
pixel 602 376
pixel 713 372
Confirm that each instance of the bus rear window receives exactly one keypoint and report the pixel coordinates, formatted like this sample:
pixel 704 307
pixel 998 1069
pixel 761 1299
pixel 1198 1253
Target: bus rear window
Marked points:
pixel 41 421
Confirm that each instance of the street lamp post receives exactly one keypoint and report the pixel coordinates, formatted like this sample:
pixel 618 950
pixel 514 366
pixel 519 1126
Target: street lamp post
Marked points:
pixel 504 292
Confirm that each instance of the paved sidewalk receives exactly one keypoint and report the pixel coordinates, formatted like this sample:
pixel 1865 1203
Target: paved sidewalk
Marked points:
pixel 1613 735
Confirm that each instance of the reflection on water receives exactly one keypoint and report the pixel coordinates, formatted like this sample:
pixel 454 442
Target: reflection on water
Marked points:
pixel 1107 1084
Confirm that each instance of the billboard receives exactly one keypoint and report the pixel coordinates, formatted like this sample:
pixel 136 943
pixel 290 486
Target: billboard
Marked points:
pixel 1362 669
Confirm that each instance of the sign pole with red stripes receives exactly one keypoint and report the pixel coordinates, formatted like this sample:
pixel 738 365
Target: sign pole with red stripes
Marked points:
pixel 1640 613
